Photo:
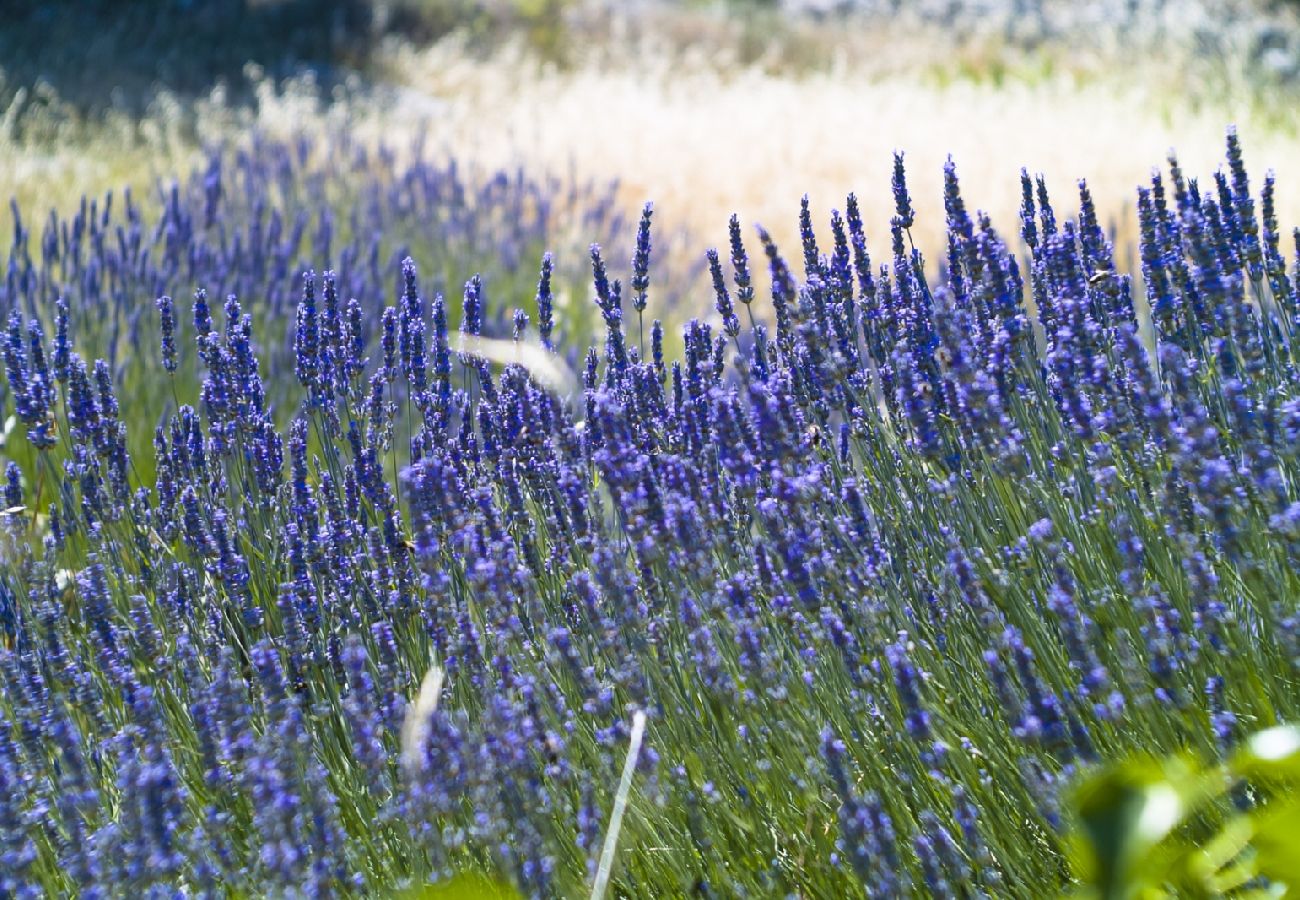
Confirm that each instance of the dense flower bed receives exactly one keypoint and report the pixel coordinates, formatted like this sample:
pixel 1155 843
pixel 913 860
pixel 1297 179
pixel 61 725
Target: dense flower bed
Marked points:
pixel 884 557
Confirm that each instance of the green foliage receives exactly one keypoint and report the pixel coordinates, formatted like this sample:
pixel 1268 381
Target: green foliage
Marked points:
pixel 541 23
pixel 99 54
pixel 124 50
pixel 1149 829
pixel 462 887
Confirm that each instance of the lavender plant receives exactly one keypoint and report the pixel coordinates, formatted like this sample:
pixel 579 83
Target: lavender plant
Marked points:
pixel 257 214
pixel 380 604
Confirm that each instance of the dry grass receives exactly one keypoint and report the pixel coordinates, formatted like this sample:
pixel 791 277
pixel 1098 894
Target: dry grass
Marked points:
pixel 704 133
pixel 50 155
pixel 702 143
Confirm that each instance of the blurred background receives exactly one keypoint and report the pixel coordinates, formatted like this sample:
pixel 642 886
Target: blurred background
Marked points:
pixel 705 107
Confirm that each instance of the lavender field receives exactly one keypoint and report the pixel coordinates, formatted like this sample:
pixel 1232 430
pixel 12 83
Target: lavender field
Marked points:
pixel 388 513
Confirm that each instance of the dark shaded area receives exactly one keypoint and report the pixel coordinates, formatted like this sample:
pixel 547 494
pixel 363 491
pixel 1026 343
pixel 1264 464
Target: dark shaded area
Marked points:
pixel 98 54
pixel 102 54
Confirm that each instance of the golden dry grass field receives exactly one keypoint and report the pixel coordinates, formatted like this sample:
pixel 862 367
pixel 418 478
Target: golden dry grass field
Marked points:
pixel 681 110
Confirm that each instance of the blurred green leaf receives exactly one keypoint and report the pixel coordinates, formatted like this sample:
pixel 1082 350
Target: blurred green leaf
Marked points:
pixel 1136 821
pixel 1277 844
pixel 1273 754
pixel 1213 863
pixel 1123 813
pixel 468 886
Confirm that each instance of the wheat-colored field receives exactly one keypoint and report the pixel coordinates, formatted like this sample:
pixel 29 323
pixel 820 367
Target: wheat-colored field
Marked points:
pixel 703 143
pixel 703 134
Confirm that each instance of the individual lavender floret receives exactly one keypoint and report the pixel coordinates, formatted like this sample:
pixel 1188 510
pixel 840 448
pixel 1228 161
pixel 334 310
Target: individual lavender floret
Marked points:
pixel 858 241
pixel 148 839
pixel 1244 204
pixel 388 342
pixel 866 830
pixel 29 380
pixel 640 282
pixel 811 258
pixel 915 396
pixel 1078 635
pixel 600 279
pixel 1274 264
pixel 354 341
pixel 740 263
pixel 967 818
pixel 722 296
pixel 441 349
pixel 167 322
pixel 1042 718
pixel 1046 214
pixel 1162 297
pixel 108 407
pixel 941 861
pixel 959 221
pixel 18 852
pixel 907 681
pixel 411 330
pixel 13 485
pixel 202 315
pixel 332 326
pixel 1222 721
pixel 62 360
pixel 839 266
pixel 902 200
pixel 1028 214
pixel 657 348
pixel 590 819
pixel 294 809
pixel 306 344
pixel 1092 239
pixel 545 303
pixel 472 314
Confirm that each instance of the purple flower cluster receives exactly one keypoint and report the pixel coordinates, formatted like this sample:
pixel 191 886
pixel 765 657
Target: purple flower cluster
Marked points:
pixel 379 604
